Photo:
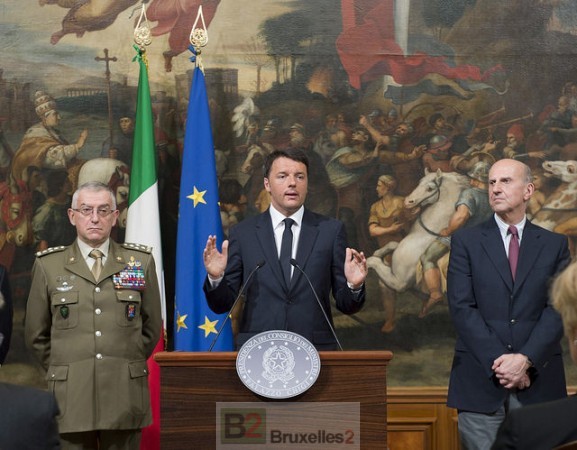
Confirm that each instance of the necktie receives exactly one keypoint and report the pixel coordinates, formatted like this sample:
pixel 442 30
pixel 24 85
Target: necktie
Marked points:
pixel 513 249
pixel 286 248
pixel 97 266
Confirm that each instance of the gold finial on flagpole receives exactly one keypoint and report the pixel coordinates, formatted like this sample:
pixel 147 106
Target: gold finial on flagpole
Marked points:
pixel 142 32
pixel 199 37
pixel 142 36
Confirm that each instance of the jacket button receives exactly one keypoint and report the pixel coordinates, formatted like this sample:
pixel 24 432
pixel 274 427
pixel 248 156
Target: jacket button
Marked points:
pixel 97 290
pixel 99 356
pixel 513 321
pixel 509 347
pixel 98 311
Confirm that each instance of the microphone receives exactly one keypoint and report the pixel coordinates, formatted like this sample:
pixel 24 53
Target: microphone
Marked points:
pixel 295 264
pixel 243 287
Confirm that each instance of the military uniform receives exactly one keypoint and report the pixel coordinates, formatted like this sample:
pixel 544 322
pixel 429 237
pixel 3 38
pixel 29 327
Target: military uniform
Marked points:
pixel 92 337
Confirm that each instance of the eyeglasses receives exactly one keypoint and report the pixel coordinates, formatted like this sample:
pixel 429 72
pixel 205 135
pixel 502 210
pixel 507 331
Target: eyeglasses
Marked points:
pixel 102 211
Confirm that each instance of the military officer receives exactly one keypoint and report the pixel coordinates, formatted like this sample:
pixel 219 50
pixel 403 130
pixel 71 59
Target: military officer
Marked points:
pixel 93 319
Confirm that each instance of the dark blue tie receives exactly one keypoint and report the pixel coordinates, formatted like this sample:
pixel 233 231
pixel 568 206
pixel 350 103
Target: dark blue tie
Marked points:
pixel 286 248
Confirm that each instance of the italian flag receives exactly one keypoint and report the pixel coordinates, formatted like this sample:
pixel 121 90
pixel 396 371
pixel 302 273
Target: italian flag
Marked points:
pixel 143 227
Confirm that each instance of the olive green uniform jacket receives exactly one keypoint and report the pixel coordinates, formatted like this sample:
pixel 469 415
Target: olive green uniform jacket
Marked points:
pixel 94 339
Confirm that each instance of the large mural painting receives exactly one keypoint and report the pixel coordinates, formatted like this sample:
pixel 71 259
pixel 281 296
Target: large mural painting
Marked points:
pixel 401 106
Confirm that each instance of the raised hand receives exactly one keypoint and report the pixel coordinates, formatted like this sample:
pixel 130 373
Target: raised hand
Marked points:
pixel 214 261
pixel 355 267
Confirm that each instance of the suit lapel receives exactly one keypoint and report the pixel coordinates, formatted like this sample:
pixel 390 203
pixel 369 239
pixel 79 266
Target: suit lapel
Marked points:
pixel 265 236
pixel 493 244
pixel 307 238
pixel 115 261
pixel 75 263
pixel 528 251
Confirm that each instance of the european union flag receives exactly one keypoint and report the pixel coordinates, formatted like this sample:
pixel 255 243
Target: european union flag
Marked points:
pixel 196 325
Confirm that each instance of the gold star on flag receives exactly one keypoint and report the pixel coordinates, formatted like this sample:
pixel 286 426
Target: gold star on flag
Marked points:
pixel 197 197
pixel 208 326
pixel 180 321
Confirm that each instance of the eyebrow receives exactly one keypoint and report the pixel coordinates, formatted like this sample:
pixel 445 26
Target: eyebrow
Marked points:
pixel 505 178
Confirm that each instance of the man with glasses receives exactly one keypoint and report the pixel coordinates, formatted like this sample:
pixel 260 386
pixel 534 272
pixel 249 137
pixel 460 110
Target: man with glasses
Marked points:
pixel 93 318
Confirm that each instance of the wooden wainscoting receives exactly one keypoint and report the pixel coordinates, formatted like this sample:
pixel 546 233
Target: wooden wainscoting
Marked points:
pixel 418 419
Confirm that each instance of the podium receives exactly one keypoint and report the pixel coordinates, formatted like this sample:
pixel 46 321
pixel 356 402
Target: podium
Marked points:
pixel 191 383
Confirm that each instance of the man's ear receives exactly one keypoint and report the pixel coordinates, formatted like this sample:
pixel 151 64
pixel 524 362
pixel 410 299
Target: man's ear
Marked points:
pixel 266 184
pixel 71 216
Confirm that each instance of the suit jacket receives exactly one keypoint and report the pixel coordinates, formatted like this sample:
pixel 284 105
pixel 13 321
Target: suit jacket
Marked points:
pixel 539 427
pixel 494 315
pixel 269 303
pixel 27 419
pixel 94 339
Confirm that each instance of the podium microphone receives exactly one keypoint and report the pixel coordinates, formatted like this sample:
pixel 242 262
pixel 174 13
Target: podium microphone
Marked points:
pixel 258 266
pixel 295 264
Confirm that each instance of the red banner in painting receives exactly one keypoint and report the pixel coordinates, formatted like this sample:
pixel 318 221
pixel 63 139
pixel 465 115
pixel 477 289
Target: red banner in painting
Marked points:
pixel 368 50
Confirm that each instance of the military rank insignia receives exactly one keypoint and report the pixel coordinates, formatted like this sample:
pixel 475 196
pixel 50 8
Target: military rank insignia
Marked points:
pixel 131 277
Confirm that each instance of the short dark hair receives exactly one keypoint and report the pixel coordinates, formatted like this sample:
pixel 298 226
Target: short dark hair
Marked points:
pixel 296 154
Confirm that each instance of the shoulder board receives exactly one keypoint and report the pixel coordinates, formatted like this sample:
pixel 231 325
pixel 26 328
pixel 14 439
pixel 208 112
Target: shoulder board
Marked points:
pixel 50 250
pixel 139 247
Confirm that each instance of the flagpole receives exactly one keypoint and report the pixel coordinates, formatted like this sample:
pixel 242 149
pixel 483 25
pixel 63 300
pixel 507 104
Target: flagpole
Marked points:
pixel 198 216
pixel 143 219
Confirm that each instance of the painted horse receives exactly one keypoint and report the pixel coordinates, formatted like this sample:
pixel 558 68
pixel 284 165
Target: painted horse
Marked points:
pixel 436 195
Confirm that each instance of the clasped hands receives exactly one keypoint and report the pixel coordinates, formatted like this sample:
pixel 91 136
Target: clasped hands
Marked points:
pixel 511 371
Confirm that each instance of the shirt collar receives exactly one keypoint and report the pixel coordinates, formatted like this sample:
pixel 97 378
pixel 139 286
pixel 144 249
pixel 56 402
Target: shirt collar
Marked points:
pixel 504 227
pixel 277 217
pixel 85 249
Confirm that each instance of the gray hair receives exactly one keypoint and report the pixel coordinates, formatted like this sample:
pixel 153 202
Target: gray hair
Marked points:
pixel 93 186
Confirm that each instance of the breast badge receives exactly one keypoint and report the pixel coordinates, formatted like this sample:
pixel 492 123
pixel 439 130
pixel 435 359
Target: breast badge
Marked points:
pixel 131 277
pixel 130 311
pixel 64 283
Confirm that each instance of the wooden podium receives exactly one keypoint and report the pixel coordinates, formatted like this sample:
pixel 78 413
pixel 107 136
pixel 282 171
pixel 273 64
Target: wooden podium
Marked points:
pixel 192 383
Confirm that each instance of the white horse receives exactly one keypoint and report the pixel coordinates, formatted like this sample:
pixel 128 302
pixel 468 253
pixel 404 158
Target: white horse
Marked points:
pixel 436 195
pixel 561 205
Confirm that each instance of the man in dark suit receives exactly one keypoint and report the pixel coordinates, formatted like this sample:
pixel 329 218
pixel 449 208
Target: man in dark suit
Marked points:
pixel 508 351
pixel 27 415
pixel 278 296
